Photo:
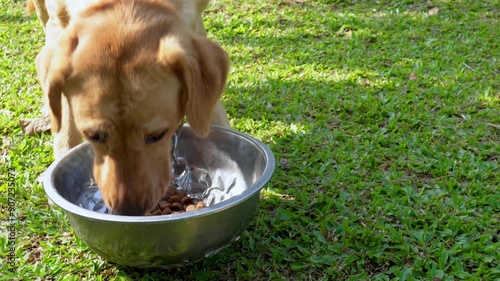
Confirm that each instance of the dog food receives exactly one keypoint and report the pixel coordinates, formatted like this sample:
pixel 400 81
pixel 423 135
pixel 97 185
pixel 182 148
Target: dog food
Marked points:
pixel 175 202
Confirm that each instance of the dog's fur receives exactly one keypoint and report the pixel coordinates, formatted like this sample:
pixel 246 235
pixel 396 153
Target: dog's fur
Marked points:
pixel 123 74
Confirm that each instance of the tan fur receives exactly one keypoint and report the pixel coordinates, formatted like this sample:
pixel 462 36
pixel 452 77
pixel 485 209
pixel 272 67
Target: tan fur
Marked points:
pixel 129 71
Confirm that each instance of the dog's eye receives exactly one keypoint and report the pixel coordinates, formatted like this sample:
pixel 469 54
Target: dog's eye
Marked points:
pixel 96 136
pixel 154 137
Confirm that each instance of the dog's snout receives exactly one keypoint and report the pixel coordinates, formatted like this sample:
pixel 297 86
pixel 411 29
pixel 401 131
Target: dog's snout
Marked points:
pixel 133 204
pixel 127 188
pixel 130 204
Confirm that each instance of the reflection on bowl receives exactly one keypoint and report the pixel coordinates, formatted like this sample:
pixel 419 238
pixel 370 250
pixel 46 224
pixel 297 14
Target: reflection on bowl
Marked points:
pixel 227 170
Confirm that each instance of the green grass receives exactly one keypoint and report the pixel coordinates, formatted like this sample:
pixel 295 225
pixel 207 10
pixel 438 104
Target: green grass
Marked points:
pixel 384 117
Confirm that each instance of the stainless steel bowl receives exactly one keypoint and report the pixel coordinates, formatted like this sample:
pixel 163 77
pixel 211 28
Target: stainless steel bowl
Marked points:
pixel 168 240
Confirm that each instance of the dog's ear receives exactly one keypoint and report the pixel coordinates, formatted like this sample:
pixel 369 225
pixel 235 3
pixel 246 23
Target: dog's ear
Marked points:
pixel 202 67
pixel 53 67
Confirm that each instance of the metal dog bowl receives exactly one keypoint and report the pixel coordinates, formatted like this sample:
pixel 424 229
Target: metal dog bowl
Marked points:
pixel 169 240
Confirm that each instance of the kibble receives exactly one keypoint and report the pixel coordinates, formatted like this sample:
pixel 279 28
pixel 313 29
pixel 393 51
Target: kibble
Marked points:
pixel 177 206
pixel 186 200
pixel 200 205
pixel 171 190
pixel 164 205
pixel 181 193
pixel 175 202
pixel 156 212
pixel 174 198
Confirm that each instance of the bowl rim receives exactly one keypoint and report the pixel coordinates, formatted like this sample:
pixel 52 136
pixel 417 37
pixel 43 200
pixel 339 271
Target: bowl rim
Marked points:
pixel 69 207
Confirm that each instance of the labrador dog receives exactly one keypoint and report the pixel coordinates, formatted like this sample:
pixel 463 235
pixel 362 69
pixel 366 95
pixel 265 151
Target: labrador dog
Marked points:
pixel 123 75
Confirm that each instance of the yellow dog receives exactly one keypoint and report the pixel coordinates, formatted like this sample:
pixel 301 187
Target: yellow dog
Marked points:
pixel 123 75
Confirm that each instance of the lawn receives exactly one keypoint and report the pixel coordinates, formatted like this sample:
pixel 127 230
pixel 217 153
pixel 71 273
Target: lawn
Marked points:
pixel 384 118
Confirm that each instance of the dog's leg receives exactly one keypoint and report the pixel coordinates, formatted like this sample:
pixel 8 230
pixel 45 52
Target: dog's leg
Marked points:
pixel 33 126
pixel 219 116
pixel 69 136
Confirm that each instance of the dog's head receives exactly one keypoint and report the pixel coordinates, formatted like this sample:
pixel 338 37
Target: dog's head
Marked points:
pixel 131 73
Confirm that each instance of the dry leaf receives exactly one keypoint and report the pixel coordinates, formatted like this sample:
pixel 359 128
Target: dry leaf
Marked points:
pixel 6 112
pixel 433 11
pixel 412 76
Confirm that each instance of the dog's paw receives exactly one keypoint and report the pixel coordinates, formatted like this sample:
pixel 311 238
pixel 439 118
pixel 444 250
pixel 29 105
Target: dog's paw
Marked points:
pixel 34 126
